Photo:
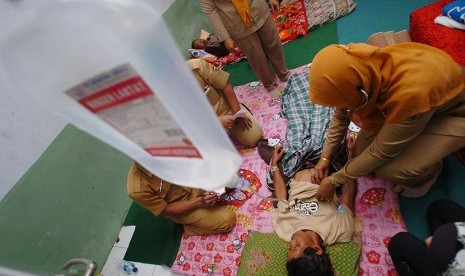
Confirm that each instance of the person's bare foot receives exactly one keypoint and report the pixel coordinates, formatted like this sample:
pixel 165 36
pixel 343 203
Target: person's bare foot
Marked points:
pixel 275 94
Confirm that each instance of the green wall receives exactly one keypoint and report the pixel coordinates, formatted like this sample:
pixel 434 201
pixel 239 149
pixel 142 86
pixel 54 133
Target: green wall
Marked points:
pixel 185 19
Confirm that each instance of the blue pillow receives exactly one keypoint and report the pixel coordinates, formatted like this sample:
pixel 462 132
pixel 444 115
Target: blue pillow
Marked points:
pixel 455 10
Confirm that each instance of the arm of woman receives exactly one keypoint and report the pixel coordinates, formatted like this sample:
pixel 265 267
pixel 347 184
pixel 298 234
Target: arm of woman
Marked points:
pixel 387 144
pixel 231 98
pixel 337 131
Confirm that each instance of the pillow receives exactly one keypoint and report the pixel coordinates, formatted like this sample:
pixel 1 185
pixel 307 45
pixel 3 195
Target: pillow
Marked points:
pixel 455 10
pixel 198 53
pixel 266 254
pixel 320 12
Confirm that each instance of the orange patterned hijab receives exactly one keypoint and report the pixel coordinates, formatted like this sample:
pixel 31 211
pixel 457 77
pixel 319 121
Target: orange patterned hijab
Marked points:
pixel 401 80
pixel 243 9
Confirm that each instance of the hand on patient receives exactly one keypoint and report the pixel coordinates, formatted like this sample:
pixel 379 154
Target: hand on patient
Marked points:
pixel 321 170
pixel 231 46
pixel 325 190
pixel 227 121
pixel 244 122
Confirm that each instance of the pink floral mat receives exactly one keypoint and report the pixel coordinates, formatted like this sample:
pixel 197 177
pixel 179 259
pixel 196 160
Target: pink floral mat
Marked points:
pixel 377 205
pixel 221 254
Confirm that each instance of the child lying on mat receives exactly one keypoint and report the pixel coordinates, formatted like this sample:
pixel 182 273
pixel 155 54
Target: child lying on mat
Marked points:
pixel 309 224
pixel 211 45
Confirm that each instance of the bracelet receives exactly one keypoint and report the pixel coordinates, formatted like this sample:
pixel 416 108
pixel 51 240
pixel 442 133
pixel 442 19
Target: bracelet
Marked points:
pixel 274 168
pixel 325 159
pixel 334 182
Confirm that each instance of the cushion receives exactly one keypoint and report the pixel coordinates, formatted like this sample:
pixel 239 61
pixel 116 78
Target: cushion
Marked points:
pixel 424 30
pixel 455 10
pixel 266 254
pixel 320 12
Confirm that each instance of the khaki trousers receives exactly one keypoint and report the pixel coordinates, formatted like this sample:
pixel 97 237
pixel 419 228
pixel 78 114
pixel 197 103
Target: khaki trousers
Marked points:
pixel 419 161
pixel 207 221
pixel 261 46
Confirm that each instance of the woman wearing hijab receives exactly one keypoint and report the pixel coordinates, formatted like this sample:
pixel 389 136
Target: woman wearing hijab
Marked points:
pixel 409 101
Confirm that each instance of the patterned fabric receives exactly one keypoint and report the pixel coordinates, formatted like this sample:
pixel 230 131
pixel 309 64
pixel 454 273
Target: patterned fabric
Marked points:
pixel 291 21
pixel 221 254
pixel 308 124
pixel 381 39
pixel 320 12
pixel 266 254
pixel 377 205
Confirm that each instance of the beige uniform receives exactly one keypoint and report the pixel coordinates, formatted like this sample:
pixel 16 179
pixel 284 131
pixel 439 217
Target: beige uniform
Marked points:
pixel 405 153
pixel 154 194
pixel 216 79
pixel 260 41
pixel 305 212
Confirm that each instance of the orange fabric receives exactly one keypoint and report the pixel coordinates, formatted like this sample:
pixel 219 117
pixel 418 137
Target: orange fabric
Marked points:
pixel 401 80
pixel 243 9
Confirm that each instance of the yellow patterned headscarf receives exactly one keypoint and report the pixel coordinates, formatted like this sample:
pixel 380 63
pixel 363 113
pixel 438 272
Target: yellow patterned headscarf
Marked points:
pixel 401 80
pixel 243 9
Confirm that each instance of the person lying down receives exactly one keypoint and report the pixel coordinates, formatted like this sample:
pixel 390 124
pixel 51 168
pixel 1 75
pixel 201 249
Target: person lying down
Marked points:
pixel 309 224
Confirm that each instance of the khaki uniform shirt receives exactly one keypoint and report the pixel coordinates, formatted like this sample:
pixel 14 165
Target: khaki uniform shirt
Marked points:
pixel 226 21
pixel 391 139
pixel 305 212
pixel 152 193
pixel 212 81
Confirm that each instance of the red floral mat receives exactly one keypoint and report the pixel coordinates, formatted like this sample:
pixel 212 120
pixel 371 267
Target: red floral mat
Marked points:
pixel 291 21
pixel 424 30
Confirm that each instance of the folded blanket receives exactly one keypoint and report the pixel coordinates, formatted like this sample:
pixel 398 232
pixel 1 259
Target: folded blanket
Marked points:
pixel 449 22
pixel 307 128
pixel 455 10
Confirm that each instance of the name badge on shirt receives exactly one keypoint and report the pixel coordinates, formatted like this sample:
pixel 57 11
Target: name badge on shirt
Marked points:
pixel 306 208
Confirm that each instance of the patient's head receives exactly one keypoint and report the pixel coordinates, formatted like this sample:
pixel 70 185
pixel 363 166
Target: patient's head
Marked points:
pixel 307 255
pixel 199 44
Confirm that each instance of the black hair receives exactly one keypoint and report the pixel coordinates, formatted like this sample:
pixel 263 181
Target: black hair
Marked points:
pixel 310 263
pixel 193 42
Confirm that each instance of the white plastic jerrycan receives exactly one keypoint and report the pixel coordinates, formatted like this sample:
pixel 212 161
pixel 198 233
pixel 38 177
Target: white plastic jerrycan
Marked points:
pixel 112 68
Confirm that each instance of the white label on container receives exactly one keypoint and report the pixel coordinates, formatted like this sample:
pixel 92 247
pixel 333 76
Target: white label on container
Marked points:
pixel 122 99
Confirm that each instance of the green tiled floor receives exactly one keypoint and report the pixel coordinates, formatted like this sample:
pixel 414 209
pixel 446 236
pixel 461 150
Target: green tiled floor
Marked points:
pixel 70 204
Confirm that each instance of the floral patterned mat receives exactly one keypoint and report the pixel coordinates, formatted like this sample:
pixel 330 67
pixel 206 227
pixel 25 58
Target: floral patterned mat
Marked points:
pixel 221 254
pixel 377 205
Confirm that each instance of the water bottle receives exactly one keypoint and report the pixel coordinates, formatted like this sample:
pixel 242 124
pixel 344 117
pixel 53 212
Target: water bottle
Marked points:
pixel 127 267
pixel 112 69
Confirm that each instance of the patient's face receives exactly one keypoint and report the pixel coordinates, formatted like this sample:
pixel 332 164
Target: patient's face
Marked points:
pixel 302 240
pixel 200 44
pixel 299 242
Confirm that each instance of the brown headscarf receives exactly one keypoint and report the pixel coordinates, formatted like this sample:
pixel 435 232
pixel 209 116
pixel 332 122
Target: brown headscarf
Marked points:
pixel 401 80
pixel 243 9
